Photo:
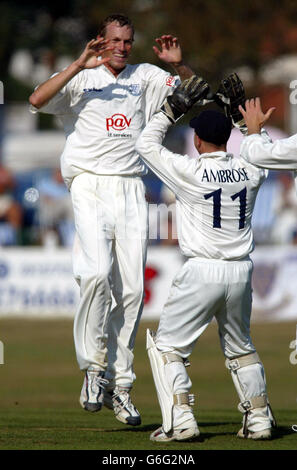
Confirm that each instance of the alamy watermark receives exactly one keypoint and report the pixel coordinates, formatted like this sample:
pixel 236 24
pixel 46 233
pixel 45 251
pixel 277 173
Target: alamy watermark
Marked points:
pixel 293 94
pixel 1 93
pixel 293 361
pixel 1 353
pixel 293 355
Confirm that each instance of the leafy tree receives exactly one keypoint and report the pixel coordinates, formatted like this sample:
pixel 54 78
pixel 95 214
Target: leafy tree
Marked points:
pixel 216 35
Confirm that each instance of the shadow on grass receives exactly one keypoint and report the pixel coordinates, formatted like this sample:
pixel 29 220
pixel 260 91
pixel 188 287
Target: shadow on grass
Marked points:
pixel 282 431
pixel 221 423
pixel 277 433
pixel 147 428
pixel 154 426
pixel 208 435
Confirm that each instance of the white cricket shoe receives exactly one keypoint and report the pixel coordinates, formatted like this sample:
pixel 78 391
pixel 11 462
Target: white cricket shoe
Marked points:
pixel 120 401
pixel 257 436
pixel 180 434
pixel 92 392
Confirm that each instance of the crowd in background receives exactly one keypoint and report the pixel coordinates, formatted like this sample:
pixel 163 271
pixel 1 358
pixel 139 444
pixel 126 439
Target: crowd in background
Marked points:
pixel 38 40
pixel 35 209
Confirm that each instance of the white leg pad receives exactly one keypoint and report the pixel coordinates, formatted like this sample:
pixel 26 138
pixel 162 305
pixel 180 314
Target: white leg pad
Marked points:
pixel 249 379
pixel 176 375
pixel 165 396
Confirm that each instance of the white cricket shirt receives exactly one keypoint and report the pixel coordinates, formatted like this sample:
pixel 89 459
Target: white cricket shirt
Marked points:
pixel 103 115
pixel 215 195
pixel 278 155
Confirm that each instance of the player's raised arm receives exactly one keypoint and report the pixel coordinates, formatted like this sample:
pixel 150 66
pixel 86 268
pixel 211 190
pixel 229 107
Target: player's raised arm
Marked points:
pixel 164 163
pixel 257 149
pixel 230 96
pixel 87 60
pixel 184 97
pixel 170 52
pixel 254 116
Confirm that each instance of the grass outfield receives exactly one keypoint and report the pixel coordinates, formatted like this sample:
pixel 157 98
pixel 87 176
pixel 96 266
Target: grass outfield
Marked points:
pixel 40 387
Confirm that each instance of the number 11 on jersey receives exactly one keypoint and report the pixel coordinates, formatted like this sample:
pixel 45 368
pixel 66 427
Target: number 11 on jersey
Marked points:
pixel 216 196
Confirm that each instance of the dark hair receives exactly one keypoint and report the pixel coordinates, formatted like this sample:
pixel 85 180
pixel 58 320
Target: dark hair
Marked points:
pixel 117 18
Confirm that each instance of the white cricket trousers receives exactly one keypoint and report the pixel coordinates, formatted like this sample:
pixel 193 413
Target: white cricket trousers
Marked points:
pixel 109 255
pixel 204 289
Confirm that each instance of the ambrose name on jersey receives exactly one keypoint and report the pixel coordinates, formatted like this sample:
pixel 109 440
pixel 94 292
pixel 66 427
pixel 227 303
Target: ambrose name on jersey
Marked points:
pixel 225 176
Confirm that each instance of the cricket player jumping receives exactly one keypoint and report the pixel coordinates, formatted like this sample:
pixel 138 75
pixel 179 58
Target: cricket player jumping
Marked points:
pixel 215 197
pixel 104 103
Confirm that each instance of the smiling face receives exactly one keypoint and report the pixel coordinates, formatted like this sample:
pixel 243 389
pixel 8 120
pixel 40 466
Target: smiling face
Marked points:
pixel 121 39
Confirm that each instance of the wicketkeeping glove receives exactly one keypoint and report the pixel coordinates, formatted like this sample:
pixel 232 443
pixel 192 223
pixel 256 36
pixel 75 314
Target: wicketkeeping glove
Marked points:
pixel 229 96
pixel 189 92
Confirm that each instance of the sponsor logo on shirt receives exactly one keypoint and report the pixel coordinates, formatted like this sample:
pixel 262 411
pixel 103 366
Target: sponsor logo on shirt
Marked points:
pixel 118 122
pixel 170 81
pixel 135 89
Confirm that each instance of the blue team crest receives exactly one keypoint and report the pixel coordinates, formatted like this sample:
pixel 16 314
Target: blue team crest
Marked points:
pixel 135 89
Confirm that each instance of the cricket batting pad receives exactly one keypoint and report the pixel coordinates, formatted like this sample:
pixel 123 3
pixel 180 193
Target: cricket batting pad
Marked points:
pixel 165 396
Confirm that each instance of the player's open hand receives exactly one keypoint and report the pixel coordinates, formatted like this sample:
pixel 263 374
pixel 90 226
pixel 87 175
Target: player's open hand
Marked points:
pixel 253 115
pixel 169 49
pixel 89 57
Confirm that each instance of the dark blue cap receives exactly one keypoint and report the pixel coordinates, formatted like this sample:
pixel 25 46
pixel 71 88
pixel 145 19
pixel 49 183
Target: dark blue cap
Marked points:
pixel 212 126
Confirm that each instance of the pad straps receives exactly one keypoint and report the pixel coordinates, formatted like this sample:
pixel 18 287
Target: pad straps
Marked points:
pixel 242 361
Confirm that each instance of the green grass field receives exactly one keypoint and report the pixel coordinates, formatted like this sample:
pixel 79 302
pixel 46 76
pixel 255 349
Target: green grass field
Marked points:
pixel 40 387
